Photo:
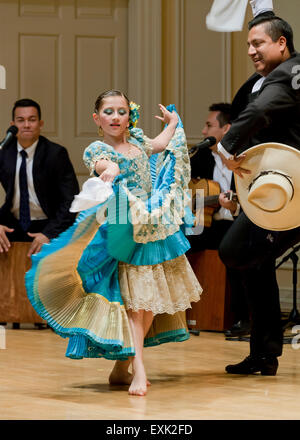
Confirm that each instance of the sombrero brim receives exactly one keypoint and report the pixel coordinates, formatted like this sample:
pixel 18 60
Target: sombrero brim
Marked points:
pixel 265 157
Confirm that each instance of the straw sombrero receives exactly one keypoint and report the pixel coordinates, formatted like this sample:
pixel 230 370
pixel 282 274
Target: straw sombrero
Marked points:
pixel 270 195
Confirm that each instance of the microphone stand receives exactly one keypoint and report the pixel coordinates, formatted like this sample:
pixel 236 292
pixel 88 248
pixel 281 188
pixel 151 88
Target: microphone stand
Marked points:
pixel 294 316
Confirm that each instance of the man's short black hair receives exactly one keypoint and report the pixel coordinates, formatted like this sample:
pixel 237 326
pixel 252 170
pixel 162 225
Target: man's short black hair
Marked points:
pixel 275 27
pixel 224 109
pixel 26 103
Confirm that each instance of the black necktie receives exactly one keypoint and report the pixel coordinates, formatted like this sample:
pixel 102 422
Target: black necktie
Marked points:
pixel 24 196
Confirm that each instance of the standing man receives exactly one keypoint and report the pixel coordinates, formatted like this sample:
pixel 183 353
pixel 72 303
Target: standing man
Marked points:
pixel 208 164
pixel 268 110
pixel 39 181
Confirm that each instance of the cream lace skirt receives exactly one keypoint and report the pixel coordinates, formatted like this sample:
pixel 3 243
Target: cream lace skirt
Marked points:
pixel 168 287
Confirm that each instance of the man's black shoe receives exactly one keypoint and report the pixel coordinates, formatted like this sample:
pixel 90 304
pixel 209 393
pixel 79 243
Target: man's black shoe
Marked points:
pixel 250 365
pixel 241 328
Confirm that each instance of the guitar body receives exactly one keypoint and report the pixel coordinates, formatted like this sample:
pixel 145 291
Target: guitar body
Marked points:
pixel 211 191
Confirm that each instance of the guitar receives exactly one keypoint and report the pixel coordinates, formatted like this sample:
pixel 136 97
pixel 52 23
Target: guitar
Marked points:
pixel 209 198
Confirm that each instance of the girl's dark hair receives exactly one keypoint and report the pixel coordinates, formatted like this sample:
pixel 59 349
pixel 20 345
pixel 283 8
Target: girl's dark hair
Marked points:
pixel 275 27
pixel 106 94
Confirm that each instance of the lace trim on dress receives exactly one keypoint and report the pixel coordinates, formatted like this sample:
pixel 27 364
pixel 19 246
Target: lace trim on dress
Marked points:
pixel 157 309
pixel 165 220
pixel 168 287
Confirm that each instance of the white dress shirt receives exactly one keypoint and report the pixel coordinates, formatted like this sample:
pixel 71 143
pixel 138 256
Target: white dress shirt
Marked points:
pixel 36 212
pixel 223 176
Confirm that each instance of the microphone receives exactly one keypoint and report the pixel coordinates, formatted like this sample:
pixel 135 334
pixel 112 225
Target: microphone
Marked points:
pixel 207 142
pixel 11 132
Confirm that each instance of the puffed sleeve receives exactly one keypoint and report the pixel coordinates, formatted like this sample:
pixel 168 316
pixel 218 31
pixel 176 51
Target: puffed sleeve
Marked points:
pixel 98 151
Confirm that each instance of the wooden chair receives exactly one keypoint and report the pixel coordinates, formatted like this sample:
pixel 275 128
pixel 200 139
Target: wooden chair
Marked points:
pixel 212 312
pixel 14 304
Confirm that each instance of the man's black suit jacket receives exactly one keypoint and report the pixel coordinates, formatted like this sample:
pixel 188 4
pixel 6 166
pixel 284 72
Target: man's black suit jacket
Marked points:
pixel 270 115
pixel 54 179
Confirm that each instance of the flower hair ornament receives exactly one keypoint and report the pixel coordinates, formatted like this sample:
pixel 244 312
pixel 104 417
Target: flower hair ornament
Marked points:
pixel 133 114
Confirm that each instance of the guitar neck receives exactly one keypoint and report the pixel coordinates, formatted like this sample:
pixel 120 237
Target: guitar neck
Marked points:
pixel 213 201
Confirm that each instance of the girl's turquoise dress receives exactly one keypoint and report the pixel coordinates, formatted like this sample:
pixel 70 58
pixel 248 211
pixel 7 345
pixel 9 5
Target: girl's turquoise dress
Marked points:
pixel 126 251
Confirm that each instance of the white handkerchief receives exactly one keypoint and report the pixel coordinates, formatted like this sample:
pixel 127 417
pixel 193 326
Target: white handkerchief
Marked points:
pixel 226 15
pixel 94 191
pixel 229 15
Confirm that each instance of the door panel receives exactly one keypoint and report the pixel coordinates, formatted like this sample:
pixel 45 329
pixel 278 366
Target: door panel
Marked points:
pixel 63 54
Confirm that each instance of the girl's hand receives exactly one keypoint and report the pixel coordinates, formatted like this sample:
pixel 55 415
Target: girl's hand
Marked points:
pixel 167 117
pixel 110 172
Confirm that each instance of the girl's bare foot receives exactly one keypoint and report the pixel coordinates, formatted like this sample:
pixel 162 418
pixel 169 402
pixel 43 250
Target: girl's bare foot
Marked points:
pixel 139 383
pixel 120 374
pixel 120 379
pixel 123 379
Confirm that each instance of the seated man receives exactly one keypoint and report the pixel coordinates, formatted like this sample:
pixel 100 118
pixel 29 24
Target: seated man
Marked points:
pixel 208 164
pixel 39 182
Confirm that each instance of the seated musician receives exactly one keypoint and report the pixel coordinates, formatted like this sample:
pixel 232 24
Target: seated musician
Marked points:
pixel 39 181
pixel 207 164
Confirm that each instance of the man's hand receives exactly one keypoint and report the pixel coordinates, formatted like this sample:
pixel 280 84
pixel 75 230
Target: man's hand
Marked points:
pixel 4 241
pixel 234 164
pixel 226 203
pixel 36 245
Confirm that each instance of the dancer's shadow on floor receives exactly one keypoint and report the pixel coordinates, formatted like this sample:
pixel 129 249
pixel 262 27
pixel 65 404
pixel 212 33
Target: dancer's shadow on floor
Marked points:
pixel 101 387
pixel 197 376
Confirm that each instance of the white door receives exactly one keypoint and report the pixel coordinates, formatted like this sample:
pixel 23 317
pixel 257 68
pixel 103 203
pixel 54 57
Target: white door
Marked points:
pixel 63 54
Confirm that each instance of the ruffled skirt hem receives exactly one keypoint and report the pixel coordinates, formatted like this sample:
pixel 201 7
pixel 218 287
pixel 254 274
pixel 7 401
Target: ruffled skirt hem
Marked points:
pixel 168 287
pixel 75 288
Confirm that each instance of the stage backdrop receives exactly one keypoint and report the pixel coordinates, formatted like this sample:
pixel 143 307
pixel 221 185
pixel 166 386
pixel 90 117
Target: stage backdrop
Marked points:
pixel 63 53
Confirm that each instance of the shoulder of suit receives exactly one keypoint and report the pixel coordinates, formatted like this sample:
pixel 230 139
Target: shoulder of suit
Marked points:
pixel 53 145
pixel 285 69
pixel 286 65
pixel 9 149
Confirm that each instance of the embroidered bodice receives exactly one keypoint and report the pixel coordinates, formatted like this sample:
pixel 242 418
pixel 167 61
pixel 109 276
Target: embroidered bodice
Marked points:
pixel 134 169
pixel 156 211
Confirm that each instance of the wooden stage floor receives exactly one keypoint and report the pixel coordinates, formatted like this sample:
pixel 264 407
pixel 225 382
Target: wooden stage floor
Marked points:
pixel 188 383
